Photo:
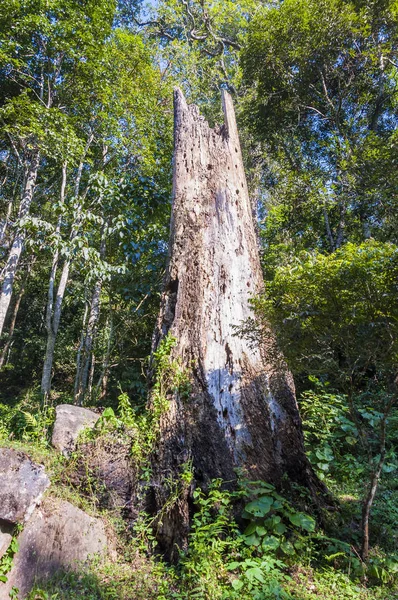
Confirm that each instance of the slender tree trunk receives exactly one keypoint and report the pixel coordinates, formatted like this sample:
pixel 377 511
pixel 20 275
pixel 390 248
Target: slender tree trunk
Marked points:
pixel 4 352
pixel 242 411
pixel 329 234
pixel 19 239
pixel 15 177
pixel 53 316
pixel 4 225
pixel 82 374
pixel 374 482
pixel 91 376
pixel 103 378
pixel 79 353
pixel 52 331
pixel 341 225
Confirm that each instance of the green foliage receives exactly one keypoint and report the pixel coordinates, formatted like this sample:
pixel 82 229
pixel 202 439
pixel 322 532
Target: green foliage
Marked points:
pixel 27 420
pixel 143 423
pixel 315 90
pixel 330 435
pixel 7 559
pixel 320 81
pixel 218 563
pixel 169 377
pixel 200 42
pixel 336 315
pixel 274 525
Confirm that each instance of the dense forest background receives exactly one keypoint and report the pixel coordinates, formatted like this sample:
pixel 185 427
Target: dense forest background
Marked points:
pixel 86 143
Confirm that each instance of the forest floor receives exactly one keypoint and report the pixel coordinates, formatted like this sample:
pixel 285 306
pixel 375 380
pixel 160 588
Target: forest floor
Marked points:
pixel 224 561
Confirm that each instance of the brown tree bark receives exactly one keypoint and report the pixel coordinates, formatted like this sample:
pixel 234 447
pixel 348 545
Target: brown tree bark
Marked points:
pixel 242 411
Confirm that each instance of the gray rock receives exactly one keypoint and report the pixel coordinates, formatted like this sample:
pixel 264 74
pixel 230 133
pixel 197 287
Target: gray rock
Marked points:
pixel 57 538
pixel 5 541
pixel 69 422
pixel 22 485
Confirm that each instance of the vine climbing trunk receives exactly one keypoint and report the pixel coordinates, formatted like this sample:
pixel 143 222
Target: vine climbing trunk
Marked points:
pixel 241 411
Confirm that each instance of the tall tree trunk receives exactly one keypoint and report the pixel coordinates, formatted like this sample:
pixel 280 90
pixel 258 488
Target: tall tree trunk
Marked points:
pixel 100 389
pixel 50 317
pixel 242 410
pixel 374 479
pixel 6 349
pixel 52 331
pixel 11 265
pixel 87 358
pixel 3 227
pixel 79 352
pixel 91 377
pixel 53 316
pixel 87 354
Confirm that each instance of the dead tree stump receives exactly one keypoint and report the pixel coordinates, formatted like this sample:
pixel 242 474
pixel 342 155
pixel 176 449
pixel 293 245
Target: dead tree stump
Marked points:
pixel 242 410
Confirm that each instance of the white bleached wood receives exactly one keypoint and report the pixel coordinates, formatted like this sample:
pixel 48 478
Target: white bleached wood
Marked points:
pixel 242 411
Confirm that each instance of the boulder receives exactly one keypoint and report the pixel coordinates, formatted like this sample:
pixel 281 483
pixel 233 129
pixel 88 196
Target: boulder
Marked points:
pixel 57 538
pixel 22 485
pixel 5 541
pixel 69 422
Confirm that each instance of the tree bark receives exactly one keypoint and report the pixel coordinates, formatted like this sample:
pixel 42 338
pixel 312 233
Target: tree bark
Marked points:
pixel 374 481
pixel 7 346
pixel 86 361
pixel 53 315
pixel 242 411
pixel 100 389
pixel 79 352
pixel 11 265
pixel 4 224
pixel 53 321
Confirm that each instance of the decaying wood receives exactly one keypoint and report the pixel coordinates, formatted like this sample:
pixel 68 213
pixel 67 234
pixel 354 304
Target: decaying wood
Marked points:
pixel 242 410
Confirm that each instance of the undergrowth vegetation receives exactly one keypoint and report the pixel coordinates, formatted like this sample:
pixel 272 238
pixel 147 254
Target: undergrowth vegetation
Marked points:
pixel 250 543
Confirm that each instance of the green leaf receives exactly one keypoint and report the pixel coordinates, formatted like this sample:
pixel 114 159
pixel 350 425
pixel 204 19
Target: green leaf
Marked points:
pixel 287 548
pixel 108 413
pixel 255 573
pixel 251 528
pixel 237 584
pixel 271 522
pixel 302 520
pixel 279 528
pixel 323 466
pixel 270 543
pixel 252 540
pixel 233 565
pixel 260 507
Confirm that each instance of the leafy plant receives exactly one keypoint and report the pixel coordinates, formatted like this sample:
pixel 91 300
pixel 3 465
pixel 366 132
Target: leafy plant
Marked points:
pixel 330 435
pixel 7 560
pixel 274 525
